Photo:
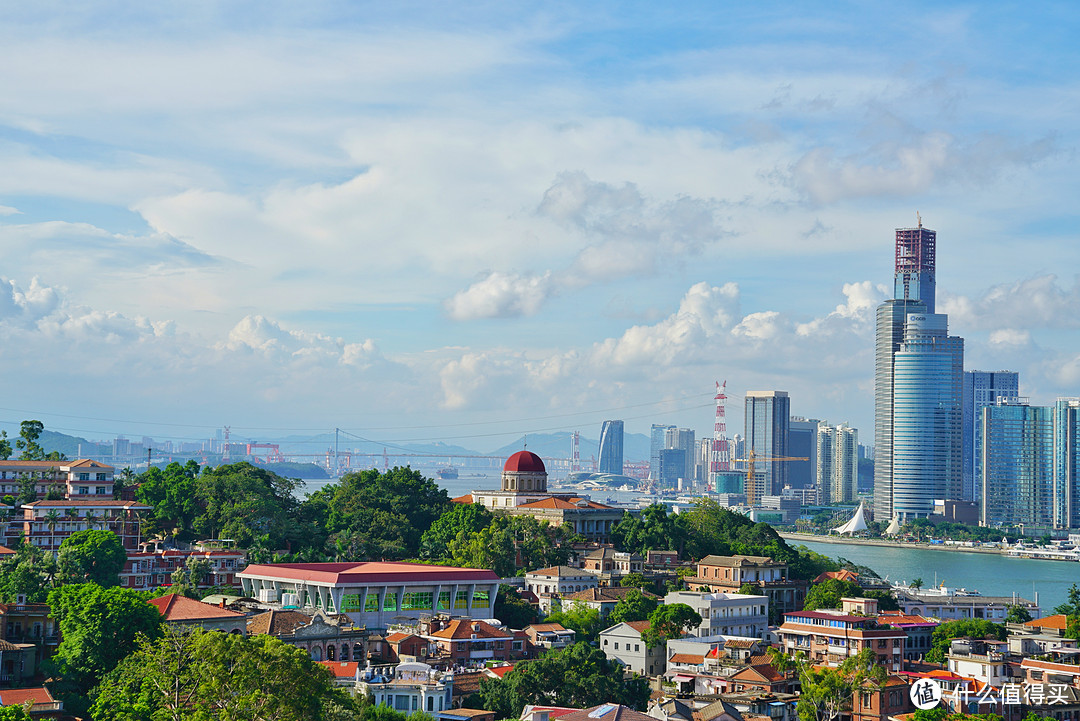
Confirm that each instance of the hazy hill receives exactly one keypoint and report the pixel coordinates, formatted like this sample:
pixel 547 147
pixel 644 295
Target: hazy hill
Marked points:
pixel 68 445
pixel 557 445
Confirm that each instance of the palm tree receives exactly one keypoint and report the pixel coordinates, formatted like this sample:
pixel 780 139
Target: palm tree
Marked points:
pixel 52 519
pixel 91 519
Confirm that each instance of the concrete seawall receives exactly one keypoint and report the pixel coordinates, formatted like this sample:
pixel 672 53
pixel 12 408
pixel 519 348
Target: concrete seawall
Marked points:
pixel 848 540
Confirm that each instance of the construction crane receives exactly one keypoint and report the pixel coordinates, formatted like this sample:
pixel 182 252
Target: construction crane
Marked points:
pixel 751 485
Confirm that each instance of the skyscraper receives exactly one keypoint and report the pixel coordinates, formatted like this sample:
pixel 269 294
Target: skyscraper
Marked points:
pixel 918 380
pixel 837 463
pixel 1066 495
pixel 657 436
pixel 611 447
pixel 683 439
pixel 981 389
pixel 802 442
pixel 1018 464
pixel 766 427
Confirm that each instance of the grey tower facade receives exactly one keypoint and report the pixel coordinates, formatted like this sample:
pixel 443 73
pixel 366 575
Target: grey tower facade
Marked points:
pixel 918 379
pixel 766 424
pixel 611 447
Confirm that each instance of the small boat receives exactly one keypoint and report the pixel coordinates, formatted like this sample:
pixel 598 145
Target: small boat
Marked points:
pixel 448 473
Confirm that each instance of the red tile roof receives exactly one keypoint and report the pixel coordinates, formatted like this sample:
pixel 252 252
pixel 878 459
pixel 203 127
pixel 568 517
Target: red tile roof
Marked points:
pixel 465 628
pixel 175 607
pixel 604 593
pixel 467 498
pixel 546 627
pixel 1058 621
pixel 276 623
pixel 686 658
pixel 19 696
pixel 501 671
pixel 564 504
pixel 5 551
pixel 372 572
pixel 638 626
pixel 107 503
pixel 341 669
pixel 843 574
pixel 562 571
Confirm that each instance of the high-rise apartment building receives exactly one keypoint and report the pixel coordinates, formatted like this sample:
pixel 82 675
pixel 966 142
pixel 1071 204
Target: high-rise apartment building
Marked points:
pixel 918 380
pixel 1017 443
pixel 802 443
pixel 837 463
pixel 611 447
pixel 657 436
pixel 981 389
pixel 683 440
pixel 1066 492
pixel 767 414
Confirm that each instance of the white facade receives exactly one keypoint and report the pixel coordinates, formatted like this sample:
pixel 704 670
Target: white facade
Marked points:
pixel 410 687
pixel 622 642
pixel 552 583
pixel 727 614
pixel 837 470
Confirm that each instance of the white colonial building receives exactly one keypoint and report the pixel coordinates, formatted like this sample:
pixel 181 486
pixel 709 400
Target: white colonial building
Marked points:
pixel 727 614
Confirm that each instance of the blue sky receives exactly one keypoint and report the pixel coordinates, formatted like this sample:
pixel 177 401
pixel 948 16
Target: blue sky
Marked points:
pixel 381 216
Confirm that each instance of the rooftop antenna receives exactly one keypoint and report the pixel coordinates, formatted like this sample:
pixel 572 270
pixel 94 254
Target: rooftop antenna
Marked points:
pixel 919 217
pixel 525 441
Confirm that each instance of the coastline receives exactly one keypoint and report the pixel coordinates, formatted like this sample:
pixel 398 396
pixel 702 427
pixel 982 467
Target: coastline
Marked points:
pixel 789 536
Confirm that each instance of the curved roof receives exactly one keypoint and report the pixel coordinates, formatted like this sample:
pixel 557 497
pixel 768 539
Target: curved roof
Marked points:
pixel 524 462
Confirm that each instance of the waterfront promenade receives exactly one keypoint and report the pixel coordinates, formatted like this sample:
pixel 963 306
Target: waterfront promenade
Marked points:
pixel 849 541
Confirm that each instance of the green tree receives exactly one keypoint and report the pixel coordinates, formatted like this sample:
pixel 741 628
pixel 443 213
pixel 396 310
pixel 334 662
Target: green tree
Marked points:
pixel 244 502
pixel 634 606
pixel 943 635
pixel 1017 614
pixel 579 676
pixel 92 556
pixel 171 493
pixel 208 676
pixel 826 691
pixel 653 530
pixel 13 713
pixel 751 589
pixel 463 517
pixel 186 579
pixel 670 621
pixel 584 621
pixel 633 580
pixel 99 627
pixel 916 583
pixel 827 594
pixel 29 433
pixel 5 446
pixel 512 609
pixel 491 547
pixel 1071 607
pixel 30 573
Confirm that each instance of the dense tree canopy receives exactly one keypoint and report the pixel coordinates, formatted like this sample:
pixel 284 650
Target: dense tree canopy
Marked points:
pixel 512 609
pixel 943 635
pixel 208 676
pixel 583 620
pixel 248 504
pixel 653 530
pixel 827 594
pixel 465 518
pixel 171 492
pixel 96 556
pixel 579 677
pixel 825 690
pixel 670 621
pixel 634 606
pixel 31 572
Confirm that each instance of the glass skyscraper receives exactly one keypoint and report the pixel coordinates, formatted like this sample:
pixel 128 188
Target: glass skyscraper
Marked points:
pixel 1018 464
pixel 1066 492
pixel 918 380
pixel 981 389
pixel 766 425
pixel 611 447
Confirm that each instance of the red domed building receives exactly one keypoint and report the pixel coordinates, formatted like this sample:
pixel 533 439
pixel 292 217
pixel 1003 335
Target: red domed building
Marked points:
pixel 524 492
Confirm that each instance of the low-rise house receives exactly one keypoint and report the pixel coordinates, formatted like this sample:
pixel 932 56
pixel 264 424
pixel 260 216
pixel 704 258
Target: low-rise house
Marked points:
pixel 466 714
pixel 346 673
pixel 873 703
pixel 723 613
pixel 37 702
pixel 763 705
pixel 607 712
pixel 983 660
pixel 1050 673
pixel 603 598
pixel 760 675
pixel 719 711
pixel 919 630
pixel 551 584
pixel 549 635
pixel 829 637
pixel 409 687
pixel 22 623
pixel 1051 625
pixel 672 709
pixel 1041 644
pixel 545 713
pixel 404 645
pixel 325 637
pixel 610 565
pixel 683 663
pixel 622 642
pixel 153 566
pixel 179 610
pixel 17 662
pixel 468 642
pixel 727 574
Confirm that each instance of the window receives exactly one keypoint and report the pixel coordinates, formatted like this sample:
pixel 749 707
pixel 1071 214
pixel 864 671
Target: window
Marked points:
pixel 390 602
pixel 371 603
pixel 84 476
pixel 444 601
pixel 462 600
pixel 882 643
pixel 101 477
pixel 100 490
pixel 637 647
pixel 479 598
pixel 84 490
pixel 416 601
pixel 616 645
pixel 350 602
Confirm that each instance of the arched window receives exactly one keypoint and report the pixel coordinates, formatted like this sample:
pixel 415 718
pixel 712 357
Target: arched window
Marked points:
pixel 330 653
pixel 357 652
pixel 344 652
pixel 316 654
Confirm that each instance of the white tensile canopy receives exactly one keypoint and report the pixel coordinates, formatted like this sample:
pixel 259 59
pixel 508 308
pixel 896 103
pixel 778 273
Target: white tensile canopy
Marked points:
pixel 894 527
pixel 857 522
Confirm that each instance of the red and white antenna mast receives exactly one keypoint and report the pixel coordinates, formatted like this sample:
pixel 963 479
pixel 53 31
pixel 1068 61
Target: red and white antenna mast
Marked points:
pixel 225 447
pixel 721 456
pixel 575 452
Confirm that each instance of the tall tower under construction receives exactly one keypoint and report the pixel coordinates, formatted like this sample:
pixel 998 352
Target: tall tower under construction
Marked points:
pixel 918 382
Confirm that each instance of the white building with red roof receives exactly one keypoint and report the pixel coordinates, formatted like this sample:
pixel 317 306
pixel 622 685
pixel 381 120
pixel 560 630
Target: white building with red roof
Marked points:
pixel 47 523
pixel 524 493
pixel 375 594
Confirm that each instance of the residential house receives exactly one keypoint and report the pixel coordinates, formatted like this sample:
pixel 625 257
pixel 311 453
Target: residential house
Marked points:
pixel 1052 625
pixel 919 630
pixel 727 614
pixel 177 610
pixel 469 642
pixel 346 673
pixel 610 566
pixel 32 623
pixel 153 566
pixel 672 709
pixel 38 702
pixel 718 711
pixel 409 687
pixel 17 662
pixel 607 712
pixel 81 477
pixel 873 703
pixel 46 524
pixel 551 584
pixel 622 642
pixel 980 659
pixel 761 705
pixel 603 598
pixel 549 635
pixel 325 637
pixel 829 637
pixel 727 574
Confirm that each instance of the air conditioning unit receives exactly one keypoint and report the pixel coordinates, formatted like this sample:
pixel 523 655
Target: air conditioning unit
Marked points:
pixel 267 595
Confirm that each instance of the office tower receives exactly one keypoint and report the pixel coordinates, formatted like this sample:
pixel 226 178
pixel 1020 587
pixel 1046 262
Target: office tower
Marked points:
pixel 837 463
pixel 918 387
pixel 611 447
pixel 683 439
pixel 1066 492
pixel 802 442
pixel 1017 441
pixel 657 435
pixel 767 414
pixel 672 467
pixel 981 389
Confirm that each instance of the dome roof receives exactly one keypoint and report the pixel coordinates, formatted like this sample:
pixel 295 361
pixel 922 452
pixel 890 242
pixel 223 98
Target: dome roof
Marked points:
pixel 524 462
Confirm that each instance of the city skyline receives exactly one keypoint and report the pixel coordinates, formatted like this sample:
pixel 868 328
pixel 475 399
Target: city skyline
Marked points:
pixel 490 222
